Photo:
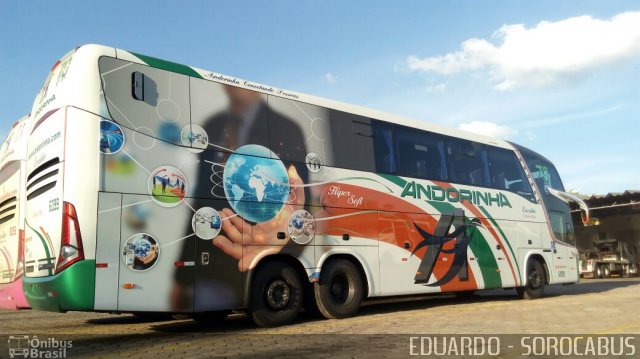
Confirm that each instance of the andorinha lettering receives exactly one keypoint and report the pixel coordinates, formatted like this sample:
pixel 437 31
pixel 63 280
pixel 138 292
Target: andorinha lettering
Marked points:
pixel 223 78
pixel 438 193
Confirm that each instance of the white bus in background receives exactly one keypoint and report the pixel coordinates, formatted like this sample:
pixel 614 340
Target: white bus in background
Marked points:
pixel 158 187
pixel 13 156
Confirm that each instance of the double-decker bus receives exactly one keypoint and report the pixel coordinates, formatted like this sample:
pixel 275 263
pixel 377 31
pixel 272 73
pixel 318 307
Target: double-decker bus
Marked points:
pixel 158 187
pixel 13 156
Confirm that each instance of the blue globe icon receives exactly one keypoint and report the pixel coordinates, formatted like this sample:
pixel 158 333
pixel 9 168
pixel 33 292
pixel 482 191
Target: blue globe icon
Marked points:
pixel 256 183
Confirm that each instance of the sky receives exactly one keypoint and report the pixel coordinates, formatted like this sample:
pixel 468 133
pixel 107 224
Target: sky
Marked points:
pixel 559 77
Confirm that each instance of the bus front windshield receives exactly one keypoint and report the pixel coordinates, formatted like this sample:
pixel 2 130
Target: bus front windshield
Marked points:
pixel 546 176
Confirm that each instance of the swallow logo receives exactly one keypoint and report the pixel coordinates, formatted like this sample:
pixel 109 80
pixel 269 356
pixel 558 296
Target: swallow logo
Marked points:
pixel 434 243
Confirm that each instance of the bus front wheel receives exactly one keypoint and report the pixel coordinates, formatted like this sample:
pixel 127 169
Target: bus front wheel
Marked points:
pixel 340 289
pixel 276 295
pixel 536 280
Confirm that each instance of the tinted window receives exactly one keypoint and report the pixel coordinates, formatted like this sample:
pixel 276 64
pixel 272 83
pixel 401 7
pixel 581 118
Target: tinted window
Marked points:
pixel 507 173
pixel 546 175
pixel 362 143
pixel 468 162
pixel 383 147
pixel 562 226
pixel 420 154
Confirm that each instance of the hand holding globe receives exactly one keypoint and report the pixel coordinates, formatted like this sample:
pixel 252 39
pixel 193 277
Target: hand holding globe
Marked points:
pixel 262 234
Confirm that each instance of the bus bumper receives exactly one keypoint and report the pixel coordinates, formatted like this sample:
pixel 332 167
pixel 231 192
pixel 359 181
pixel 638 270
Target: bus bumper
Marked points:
pixel 12 296
pixel 72 289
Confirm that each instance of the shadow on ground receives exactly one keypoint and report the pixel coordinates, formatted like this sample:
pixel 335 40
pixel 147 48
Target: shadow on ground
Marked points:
pixel 237 323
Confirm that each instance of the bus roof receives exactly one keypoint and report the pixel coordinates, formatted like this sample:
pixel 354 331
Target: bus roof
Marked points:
pixel 93 52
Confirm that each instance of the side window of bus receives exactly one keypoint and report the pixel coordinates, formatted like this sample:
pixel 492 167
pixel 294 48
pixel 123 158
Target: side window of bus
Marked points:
pixel 420 154
pixel 297 129
pixel 507 172
pixel 468 162
pixel 562 226
pixel 225 117
pixel 145 99
pixel 362 143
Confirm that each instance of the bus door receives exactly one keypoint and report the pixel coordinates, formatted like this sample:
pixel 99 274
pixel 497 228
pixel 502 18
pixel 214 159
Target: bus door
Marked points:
pixel 218 281
pixel 156 255
pixel 107 251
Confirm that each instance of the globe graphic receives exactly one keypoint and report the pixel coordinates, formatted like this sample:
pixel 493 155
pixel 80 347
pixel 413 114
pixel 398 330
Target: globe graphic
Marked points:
pixel 141 247
pixel 255 183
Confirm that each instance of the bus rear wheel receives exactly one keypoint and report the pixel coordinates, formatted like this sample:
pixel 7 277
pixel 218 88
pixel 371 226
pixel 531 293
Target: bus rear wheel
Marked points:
pixel 340 289
pixel 536 280
pixel 276 295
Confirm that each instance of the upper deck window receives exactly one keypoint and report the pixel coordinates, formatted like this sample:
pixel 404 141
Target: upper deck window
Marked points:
pixel 420 154
pixel 468 162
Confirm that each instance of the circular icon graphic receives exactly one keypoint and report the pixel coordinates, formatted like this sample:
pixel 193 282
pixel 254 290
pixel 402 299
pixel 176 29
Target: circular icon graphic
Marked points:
pixel 140 252
pixel 168 110
pixel 195 137
pixel 206 223
pixel 144 138
pixel 313 162
pixel 302 226
pixel 111 137
pixel 167 186
pixel 256 183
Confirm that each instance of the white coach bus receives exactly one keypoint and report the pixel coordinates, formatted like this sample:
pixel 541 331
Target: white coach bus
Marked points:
pixel 158 187
pixel 13 156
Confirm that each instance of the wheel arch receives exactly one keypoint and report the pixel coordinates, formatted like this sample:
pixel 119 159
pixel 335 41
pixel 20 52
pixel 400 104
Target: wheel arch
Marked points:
pixel 540 258
pixel 289 259
pixel 356 261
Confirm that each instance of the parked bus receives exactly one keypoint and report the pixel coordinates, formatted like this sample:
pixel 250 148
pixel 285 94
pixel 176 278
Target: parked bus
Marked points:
pixel 158 187
pixel 13 156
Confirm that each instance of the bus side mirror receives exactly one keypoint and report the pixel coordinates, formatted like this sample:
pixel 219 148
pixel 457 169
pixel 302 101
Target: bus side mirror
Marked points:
pixel 568 197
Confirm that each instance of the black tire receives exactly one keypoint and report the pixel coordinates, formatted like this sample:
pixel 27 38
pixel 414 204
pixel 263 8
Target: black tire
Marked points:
pixel 536 280
pixel 606 273
pixel 310 306
pixel 276 295
pixel 211 318
pixel 597 273
pixel 340 289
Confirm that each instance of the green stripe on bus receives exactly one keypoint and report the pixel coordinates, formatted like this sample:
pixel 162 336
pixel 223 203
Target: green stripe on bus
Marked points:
pixel 480 248
pixel 168 65
pixel 495 224
pixel 394 179
pixel 44 245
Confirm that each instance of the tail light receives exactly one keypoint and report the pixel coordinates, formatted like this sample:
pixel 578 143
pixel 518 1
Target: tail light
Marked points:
pixel 71 243
pixel 20 254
